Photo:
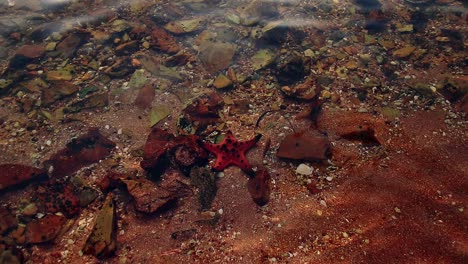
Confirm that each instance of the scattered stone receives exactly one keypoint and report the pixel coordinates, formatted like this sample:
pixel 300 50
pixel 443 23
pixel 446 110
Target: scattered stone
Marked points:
pixel 304 169
pixel 179 59
pixel 404 52
pixel 184 26
pixel 163 41
pixel 29 210
pixel 305 146
pixel 222 81
pixel 102 241
pixel 68 46
pixel 82 151
pixel 60 75
pixel 15 174
pixel 305 90
pixel 51 46
pixel 95 100
pixel 262 59
pixel 291 68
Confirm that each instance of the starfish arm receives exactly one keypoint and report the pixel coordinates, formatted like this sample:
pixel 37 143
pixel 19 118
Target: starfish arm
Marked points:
pixel 213 148
pixel 246 145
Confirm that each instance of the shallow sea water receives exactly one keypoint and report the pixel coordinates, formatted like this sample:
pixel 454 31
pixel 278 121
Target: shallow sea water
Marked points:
pixel 108 110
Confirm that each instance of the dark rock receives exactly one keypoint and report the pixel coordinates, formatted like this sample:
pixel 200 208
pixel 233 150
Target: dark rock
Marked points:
pixel 41 32
pixel 304 146
pixel 259 187
pixel 122 67
pixel 187 153
pixel 292 67
pixel 127 48
pixel 368 4
pixel 26 54
pixel 14 174
pixel 87 195
pixel 205 181
pixel 44 229
pixel 157 143
pixel 363 133
pixel 8 221
pixel 96 100
pixel 82 151
pixel 102 241
pixel 179 59
pixel 68 46
pixel 182 235
pixel 203 111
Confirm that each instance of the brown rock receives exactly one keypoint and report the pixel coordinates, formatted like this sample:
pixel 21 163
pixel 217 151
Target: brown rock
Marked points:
pixel 44 229
pixel 145 96
pixel 8 220
pixel 404 52
pixel 82 151
pixel 216 56
pixel 163 41
pixel 14 174
pixel 67 47
pixel 26 54
pixel 148 196
pixel 304 146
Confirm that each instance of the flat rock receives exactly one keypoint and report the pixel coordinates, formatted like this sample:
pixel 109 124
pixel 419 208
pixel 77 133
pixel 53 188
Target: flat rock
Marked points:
pixel 26 54
pixel 14 174
pixel 216 56
pixel 102 241
pixel 82 151
pixel 44 229
pixel 304 146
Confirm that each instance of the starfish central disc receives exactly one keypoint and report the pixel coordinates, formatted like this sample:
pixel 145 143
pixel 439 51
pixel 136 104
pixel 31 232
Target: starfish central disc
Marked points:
pixel 230 151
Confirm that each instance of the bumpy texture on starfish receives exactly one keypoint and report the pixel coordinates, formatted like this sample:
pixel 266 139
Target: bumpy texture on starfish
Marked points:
pixel 232 152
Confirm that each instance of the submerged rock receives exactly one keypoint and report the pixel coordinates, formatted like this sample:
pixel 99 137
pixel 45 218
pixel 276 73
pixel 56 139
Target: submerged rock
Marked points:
pixel 82 151
pixel 304 146
pixel 14 174
pixel 259 187
pixel 216 56
pixel 26 54
pixel 44 229
pixel 102 241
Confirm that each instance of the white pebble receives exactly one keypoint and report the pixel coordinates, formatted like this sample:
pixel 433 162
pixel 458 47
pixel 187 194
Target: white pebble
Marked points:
pixel 107 127
pixel 304 169
pixel 220 211
pixel 48 142
pixel 119 132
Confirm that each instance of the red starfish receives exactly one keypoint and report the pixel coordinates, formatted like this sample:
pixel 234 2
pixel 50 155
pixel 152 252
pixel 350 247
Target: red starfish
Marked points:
pixel 232 152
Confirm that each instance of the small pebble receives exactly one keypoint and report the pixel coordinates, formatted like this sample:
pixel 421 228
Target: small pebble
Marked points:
pixel 397 210
pixel 304 169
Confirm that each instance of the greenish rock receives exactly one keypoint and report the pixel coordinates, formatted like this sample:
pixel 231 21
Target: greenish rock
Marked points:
pixel 404 52
pixel 184 26
pixel 233 18
pixel 138 79
pixel 97 100
pixel 51 46
pixel 120 25
pixel 424 89
pixel 94 64
pixel 29 210
pixel 87 195
pixel 4 84
pixel 405 28
pixel 158 113
pixel 262 59
pixel 59 75
pixel 222 81
pixel 87 90
pixel 102 240
pixel 390 113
